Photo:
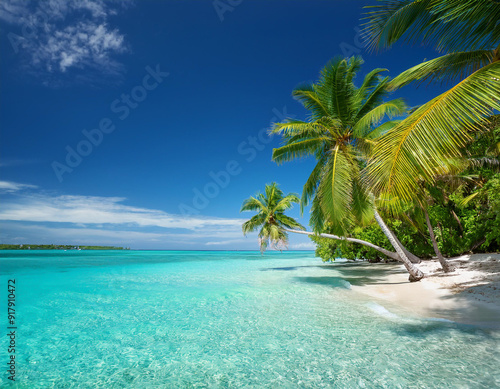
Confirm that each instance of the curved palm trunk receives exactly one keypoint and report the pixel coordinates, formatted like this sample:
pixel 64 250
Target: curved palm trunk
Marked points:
pixel 444 264
pixel 415 273
pixel 412 257
pixel 388 253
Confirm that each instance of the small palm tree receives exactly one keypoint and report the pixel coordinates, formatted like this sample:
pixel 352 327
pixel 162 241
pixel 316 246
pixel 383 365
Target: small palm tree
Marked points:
pixel 270 218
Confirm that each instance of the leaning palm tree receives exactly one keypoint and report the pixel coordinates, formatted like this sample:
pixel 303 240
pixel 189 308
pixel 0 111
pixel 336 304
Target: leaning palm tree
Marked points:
pixel 343 124
pixel 270 217
pixel 274 224
pixel 419 148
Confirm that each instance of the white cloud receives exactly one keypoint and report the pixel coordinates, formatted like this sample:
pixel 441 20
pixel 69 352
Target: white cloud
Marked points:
pixel 13 11
pixel 58 35
pixel 39 217
pixel 106 211
pixel 10 187
pixel 303 246
pixel 224 242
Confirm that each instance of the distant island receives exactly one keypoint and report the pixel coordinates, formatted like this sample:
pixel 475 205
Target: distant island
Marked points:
pixel 56 247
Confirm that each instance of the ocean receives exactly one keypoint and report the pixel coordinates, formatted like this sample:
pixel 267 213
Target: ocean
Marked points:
pixel 201 319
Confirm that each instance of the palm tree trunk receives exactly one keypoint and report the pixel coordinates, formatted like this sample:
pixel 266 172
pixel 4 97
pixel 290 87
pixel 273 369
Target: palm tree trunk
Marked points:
pixel 412 257
pixel 388 253
pixel 444 264
pixel 415 273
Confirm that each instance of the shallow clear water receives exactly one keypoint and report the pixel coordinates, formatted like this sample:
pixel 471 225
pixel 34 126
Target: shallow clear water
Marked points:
pixel 147 319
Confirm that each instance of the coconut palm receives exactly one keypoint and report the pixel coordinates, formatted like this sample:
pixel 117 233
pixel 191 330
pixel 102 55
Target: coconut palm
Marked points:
pixel 343 124
pixel 274 224
pixel 419 147
pixel 270 217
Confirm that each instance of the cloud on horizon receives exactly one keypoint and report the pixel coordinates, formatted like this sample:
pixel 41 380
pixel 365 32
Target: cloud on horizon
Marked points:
pixel 303 246
pixel 28 213
pixel 55 36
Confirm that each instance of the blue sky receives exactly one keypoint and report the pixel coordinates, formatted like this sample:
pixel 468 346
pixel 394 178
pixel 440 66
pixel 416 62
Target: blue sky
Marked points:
pixel 143 123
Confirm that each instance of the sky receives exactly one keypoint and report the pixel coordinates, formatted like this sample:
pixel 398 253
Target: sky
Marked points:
pixel 144 124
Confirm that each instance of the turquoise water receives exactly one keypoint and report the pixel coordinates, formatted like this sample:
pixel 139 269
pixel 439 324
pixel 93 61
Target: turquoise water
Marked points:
pixel 156 319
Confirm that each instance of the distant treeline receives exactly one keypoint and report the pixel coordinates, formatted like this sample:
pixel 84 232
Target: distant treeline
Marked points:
pixel 56 247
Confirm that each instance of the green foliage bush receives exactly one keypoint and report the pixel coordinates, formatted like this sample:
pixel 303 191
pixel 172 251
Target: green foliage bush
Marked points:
pixel 472 228
pixel 329 249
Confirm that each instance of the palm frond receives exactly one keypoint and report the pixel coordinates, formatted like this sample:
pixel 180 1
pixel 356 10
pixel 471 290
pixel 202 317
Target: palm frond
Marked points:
pixel 253 204
pixel 362 204
pixel 448 67
pixel 309 98
pixel 374 98
pixel 317 219
pixel 287 202
pixel 294 127
pixel 334 88
pixel 396 107
pixel 253 224
pixel 298 149
pixel 312 182
pixel 470 24
pixel 392 19
pixel 289 222
pixel 420 145
pixel 382 129
pixel 371 80
pixel 466 200
pixel 448 25
pixel 335 187
pixel 273 195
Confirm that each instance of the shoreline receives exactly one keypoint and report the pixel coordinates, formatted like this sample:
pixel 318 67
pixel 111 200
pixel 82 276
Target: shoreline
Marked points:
pixel 469 295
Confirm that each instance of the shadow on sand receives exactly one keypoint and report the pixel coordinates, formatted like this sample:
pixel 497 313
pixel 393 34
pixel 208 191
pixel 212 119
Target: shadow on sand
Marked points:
pixel 356 273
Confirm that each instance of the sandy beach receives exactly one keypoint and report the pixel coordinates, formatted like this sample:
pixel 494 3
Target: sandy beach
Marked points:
pixel 470 294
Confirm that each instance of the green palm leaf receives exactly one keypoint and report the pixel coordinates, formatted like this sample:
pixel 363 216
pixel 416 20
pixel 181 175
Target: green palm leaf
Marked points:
pixel 298 149
pixel 252 204
pixel 307 95
pixel 389 109
pixel 449 25
pixel 446 68
pixel 335 188
pixel 420 146
pixel 287 202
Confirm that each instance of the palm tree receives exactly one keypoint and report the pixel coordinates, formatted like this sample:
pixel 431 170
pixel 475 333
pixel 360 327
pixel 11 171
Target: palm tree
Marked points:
pixel 274 224
pixel 270 218
pixel 343 124
pixel 420 147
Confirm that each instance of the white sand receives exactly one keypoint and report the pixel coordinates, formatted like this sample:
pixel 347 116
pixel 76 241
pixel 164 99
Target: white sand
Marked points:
pixel 470 294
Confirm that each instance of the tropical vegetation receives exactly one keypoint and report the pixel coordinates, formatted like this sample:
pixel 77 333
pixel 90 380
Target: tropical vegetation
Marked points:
pixel 430 173
pixel 56 247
